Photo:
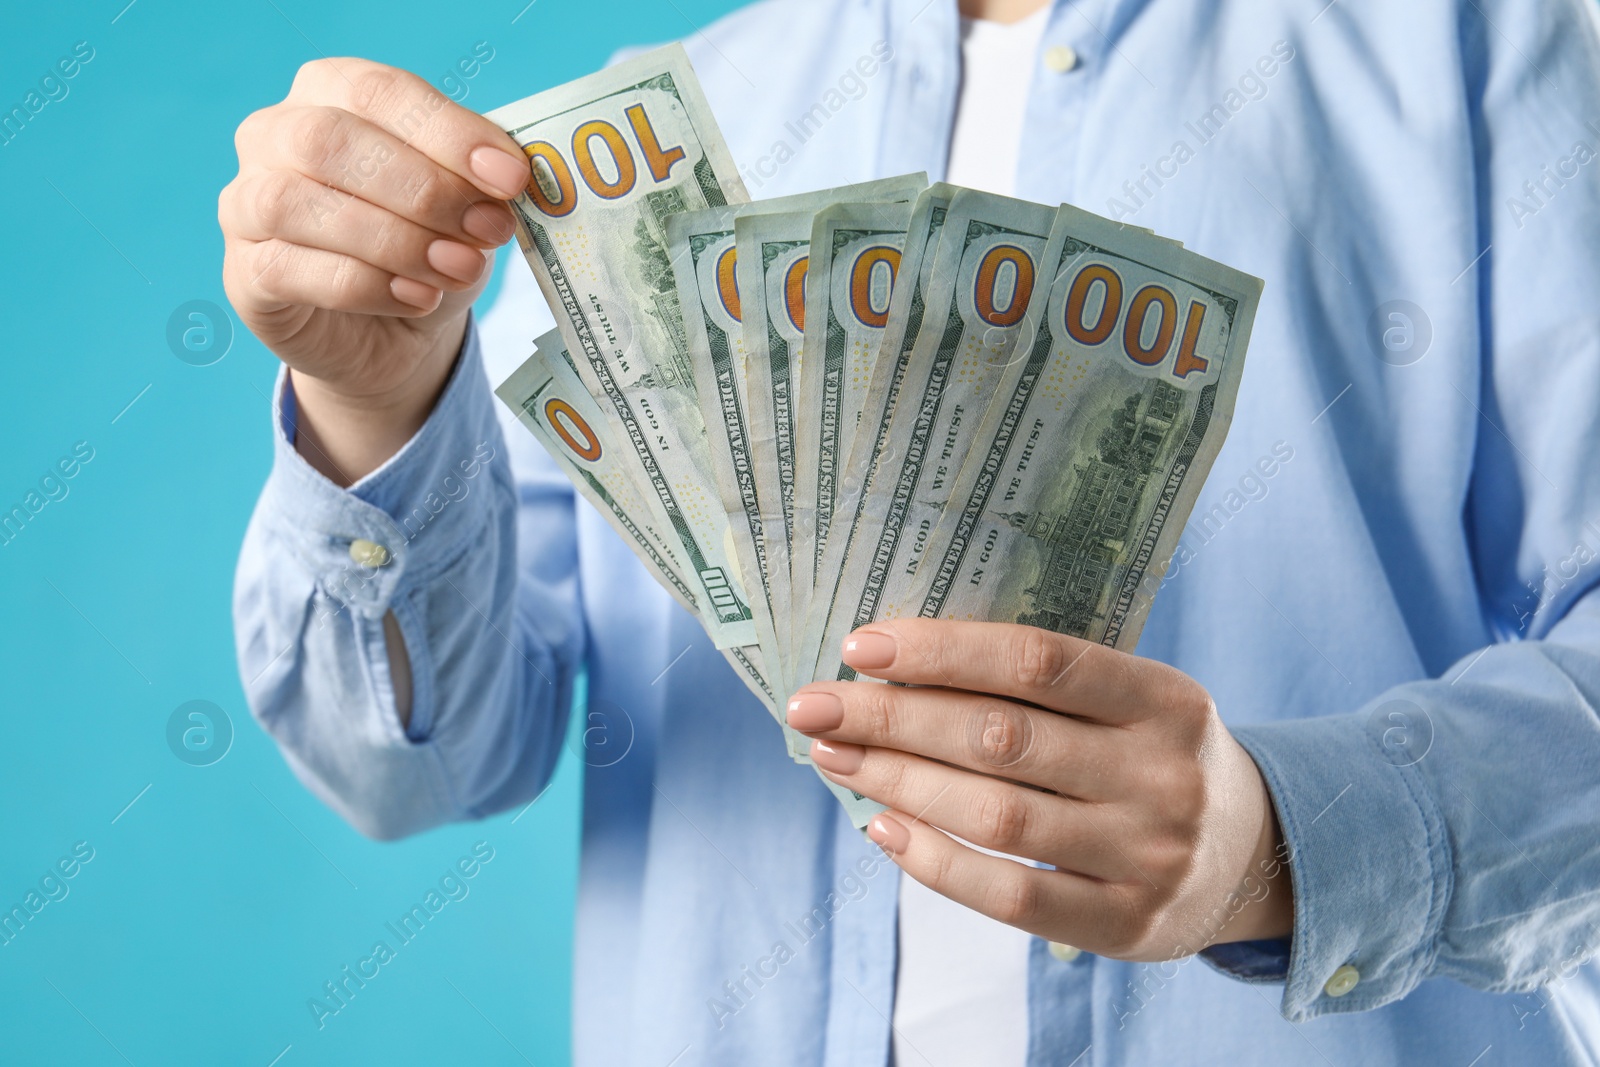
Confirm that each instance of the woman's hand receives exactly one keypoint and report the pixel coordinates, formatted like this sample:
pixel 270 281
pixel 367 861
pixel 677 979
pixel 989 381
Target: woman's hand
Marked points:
pixel 1113 769
pixel 358 232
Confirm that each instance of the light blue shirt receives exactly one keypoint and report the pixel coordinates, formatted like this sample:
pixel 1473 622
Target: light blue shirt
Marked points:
pixel 1388 585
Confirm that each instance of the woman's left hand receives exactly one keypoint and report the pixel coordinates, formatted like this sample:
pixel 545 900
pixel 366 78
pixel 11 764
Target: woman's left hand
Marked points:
pixel 1113 769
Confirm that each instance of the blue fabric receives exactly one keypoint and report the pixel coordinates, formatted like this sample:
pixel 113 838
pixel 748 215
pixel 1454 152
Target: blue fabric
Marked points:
pixel 1387 585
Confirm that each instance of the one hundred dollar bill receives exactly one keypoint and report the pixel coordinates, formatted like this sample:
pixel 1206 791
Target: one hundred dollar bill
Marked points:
pixel 700 244
pixel 773 259
pixel 987 264
pixel 548 398
pixel 1090 459
pixel 774 264
pixel 612 157
pixel 738 420
pixel 856 250
pixel 907 303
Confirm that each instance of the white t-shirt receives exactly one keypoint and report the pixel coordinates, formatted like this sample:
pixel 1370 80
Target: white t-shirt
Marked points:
pixel 961 988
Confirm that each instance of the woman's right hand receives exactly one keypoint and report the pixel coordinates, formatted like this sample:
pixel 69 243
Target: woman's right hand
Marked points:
pixel 358 232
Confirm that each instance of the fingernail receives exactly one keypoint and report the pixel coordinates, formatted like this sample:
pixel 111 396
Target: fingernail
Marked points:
pixel 814 712
pixel 889 833
pixel 867 651
pixel 501 173
pixel 837 756
pixel 410 291
pixel 491 225
pixel 455 260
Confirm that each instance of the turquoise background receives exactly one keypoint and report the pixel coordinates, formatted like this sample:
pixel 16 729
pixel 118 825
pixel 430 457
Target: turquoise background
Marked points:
pixel 221 900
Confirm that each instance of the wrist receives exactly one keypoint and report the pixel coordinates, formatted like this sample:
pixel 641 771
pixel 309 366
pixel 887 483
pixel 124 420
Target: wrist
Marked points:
pixel 346 435
pixel 1264 894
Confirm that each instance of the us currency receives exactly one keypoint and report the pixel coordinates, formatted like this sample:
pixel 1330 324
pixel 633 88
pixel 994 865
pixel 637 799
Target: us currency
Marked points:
pixel 774 262
pixel 1130 374
pixel 855 255
pixel 987 263
pixel 548 398
pixel 907 304
pixel 773 259
pixel 704 257
pixel 612 156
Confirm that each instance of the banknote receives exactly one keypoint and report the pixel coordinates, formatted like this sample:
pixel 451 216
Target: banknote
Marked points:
pixel 774 263
pixel 704 257
pixel 856 250
pixel 986 266
pixel 612 156
pixel 773 257
pixel 906 306
pixel 1132 364
pixel 548 398
pixel 700 246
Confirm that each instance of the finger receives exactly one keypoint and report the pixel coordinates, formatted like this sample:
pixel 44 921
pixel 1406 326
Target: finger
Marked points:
pixel 266 276
pixel 293 208
pixel 418 114
pixel 1056 905
pixel 1022 662
pixel 336 148
pixel 980 733
pixel 989 812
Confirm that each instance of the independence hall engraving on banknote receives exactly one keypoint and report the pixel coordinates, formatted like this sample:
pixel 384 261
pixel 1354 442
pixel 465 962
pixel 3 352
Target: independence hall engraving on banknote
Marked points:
pixel 1090 538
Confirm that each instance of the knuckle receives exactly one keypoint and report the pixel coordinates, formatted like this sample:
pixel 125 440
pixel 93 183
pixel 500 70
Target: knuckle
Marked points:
pixel 251 130
pixel 876 709
pixel 311 71
pixel 227 198
pixel 1000 733
pixel 891 772
pixel 1014 899
pixel 344 283
pixel 375 91
pixel 426 194
pixel 937 876
pixel 319 135
pixel 271 201
pixel 1038 658
pixel 1003 818
pixel 392 242
pixel 271 267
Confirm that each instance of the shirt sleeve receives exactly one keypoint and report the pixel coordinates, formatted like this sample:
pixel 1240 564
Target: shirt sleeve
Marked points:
pixel 479 568
pixel 1449 828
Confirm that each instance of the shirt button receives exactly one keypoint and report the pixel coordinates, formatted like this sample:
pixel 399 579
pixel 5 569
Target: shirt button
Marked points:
pixel 1064 953
pixel 1060 59
pixel 368 553
pixel 1343 980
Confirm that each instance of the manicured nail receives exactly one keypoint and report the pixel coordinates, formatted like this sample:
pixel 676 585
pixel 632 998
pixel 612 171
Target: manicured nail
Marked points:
pixel 889 833
pixel 455 260
pixel 410 291
pixel 868 651
pixel 837 756
pixel 489 223
pixel 816 712
pixel 501 173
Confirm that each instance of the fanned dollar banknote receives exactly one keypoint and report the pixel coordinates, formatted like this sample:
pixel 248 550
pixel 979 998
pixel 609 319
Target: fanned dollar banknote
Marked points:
pixel 611 157
pixel 864 403
pixel 738 421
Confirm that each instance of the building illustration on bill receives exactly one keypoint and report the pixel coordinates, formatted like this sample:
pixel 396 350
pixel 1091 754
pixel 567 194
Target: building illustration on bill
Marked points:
pixel 1093 537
